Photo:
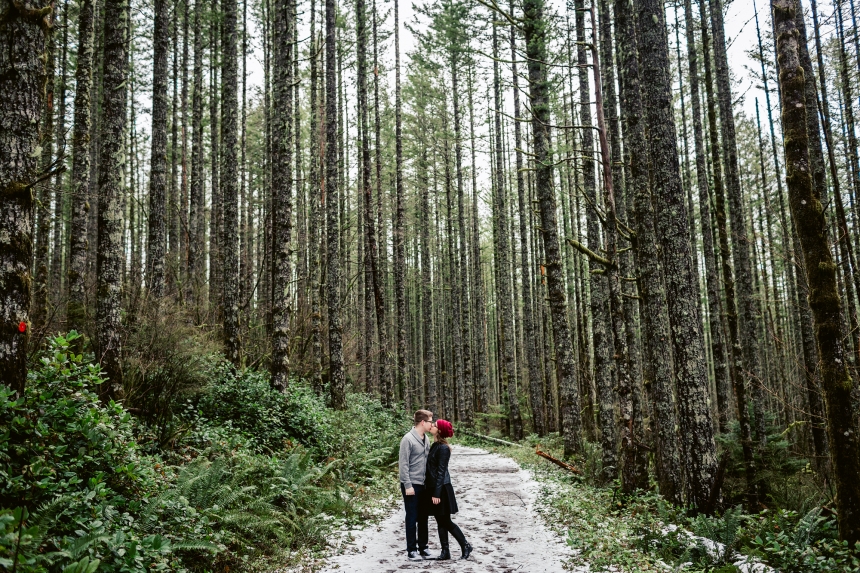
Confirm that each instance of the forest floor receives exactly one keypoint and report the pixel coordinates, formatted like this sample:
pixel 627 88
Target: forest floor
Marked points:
pixel 498 514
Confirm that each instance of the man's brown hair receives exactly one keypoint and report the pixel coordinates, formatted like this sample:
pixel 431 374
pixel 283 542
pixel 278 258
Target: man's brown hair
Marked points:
pixel 423 416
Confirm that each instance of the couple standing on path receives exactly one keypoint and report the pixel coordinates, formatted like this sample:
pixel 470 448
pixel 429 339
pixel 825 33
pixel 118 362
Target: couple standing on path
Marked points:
pixel 426 487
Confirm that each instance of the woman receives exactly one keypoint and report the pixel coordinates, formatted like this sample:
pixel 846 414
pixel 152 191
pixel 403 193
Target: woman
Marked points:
pixel 440 501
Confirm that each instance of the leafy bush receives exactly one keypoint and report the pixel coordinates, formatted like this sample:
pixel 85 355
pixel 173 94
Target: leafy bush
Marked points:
pixel 58 436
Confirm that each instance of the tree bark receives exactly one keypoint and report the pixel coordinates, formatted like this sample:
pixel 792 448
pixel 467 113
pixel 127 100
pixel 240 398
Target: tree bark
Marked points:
pixel 727 272
pixel 110 220
pixel 602 343
pixel 158 162
pixel 76 312
pixel 22 79
pixel 722 374
pixel 282 190
pixel 534 28
pixel 808 213
pixel 194 286
pixel 750 370
pixel 699 448
pixel 331 202
pixel 534 380
pixel 655 312
pixel 399 221
pixel 503 283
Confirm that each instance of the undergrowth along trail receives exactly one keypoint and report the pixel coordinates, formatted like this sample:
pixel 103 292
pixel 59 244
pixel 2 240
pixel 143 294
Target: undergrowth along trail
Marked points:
pixel 644 533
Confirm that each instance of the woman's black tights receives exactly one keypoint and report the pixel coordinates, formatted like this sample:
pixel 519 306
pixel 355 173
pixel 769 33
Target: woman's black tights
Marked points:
pixel 444 525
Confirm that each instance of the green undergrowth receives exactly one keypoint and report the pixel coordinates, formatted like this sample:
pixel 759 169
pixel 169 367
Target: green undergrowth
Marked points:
pixel 644 533
pixel 251 479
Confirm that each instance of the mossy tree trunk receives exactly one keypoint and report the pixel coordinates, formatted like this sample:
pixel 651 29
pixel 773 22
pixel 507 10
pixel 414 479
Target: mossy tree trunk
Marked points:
pixel 534 378
pixel 109 256
pixel 808 213
pixel 24 29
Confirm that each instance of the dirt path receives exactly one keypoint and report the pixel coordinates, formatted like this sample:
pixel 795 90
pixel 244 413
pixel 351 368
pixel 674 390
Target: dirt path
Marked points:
pixel 496 500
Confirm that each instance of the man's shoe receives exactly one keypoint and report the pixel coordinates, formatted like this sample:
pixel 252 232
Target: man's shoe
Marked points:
pixel 414 556
pixel 445 555
pixel 425 554
pixel 467 550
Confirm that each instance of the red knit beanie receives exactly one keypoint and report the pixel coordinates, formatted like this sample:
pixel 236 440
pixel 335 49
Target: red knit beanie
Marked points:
pixel 446 430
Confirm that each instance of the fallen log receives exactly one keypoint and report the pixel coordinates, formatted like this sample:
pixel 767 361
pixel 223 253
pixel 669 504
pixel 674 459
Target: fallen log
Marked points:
pixel 489 439
pixel 557 461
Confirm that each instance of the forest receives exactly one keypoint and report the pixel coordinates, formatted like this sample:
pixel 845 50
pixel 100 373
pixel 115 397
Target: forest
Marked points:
pixel 241 241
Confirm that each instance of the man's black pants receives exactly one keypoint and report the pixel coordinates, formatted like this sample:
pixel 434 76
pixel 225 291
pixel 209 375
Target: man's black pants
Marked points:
pixel 416 519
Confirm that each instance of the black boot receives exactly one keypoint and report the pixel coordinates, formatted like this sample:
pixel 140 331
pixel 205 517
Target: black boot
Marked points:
pixel 445 555
pixel 467 550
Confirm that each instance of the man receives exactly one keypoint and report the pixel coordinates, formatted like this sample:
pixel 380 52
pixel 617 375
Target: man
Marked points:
pixel 413 460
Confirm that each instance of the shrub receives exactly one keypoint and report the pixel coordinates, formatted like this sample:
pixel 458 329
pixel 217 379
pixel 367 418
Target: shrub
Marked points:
pixel 72 474
pixel 166 360
pixel 245 401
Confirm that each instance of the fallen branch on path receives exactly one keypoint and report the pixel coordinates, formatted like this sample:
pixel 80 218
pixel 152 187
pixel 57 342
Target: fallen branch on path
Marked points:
pixel 489 439
pixel 557 461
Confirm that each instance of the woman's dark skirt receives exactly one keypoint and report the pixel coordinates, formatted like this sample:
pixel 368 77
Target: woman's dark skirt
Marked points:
pixel 448 505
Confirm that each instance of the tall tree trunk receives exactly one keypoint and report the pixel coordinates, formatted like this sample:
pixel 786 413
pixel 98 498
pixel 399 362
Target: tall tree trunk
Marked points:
pixel 282 192
pixel 76 312
pixel 216 216
pixel 808 213
pixel 229 177
pixel 634 473
pixel 377 243
pixel 399 221
pixel 173 211
pixel 749 372
pixel 22 81
pixel 331 201
pixel 655 312
pixel 194 286
pixel 602 343
pixel 727 272
pixel 158 162
pixel 182 271
pixel 44 192
pixel 503 283
pixel 722 374
pixel 110 222
pixel 482 366
pixel 61 201
pixel 534 380
pixel 316 192
pixel 673 230
pixel 534 28
pixel 465 390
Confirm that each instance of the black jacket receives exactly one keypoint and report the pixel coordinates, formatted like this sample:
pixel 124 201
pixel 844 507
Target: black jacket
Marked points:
pixel 437 475
pixel 437 483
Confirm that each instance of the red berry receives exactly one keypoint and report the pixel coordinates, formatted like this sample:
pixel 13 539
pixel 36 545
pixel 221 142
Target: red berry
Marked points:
pixel 22 326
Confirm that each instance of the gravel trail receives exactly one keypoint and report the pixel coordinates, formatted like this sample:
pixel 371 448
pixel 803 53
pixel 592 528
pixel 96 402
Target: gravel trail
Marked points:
pixel 497 515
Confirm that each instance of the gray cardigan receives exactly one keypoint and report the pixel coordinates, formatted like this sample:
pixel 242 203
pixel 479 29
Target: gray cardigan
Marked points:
pixel 413 458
